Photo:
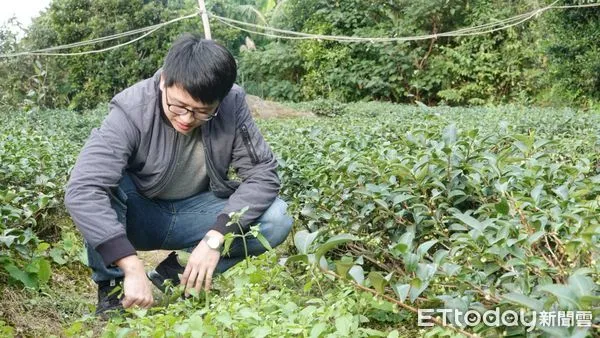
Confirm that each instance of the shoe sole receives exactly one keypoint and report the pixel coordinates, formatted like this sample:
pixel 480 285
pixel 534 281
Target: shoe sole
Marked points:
pixel 156 279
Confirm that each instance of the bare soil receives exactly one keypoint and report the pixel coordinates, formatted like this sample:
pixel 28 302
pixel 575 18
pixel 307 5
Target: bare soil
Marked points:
pixel 268 109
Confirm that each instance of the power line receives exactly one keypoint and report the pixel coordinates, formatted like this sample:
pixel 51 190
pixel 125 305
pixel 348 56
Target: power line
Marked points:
pixel 93 51
pixel 147 30
pixel 469 31
pixel 98 40
pixel 475 30
pixel 306 36
pixel 578 6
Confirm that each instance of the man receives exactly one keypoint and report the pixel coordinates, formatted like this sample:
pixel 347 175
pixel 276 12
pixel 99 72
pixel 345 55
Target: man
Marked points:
pixel 154 176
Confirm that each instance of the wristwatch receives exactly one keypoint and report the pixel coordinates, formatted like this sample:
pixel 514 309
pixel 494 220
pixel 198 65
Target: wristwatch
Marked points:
pixel 213 242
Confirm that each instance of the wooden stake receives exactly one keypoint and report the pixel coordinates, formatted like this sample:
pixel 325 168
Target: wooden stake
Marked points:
pixel 204 16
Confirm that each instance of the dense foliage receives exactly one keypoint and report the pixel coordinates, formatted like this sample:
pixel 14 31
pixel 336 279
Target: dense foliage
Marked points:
pixel 546 60
pixel 455 208
pixel 36 154
pixel 573 56
pixel 551 59
pixel 465 208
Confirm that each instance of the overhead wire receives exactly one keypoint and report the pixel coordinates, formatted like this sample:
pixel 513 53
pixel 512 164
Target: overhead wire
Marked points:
pixel 93 51
pixel 475 30
pixel 578 6
pixel 147 30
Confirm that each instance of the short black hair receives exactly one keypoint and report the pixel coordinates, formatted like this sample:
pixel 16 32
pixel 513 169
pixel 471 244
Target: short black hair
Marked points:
pixel 204 68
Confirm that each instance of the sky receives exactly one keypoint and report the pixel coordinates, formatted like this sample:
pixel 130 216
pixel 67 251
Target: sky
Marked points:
pixel 24 10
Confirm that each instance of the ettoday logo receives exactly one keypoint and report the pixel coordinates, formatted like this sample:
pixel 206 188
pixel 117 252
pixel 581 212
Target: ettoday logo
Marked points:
pixel 495 318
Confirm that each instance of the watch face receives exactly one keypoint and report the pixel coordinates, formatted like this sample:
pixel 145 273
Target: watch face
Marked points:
pixel 213 243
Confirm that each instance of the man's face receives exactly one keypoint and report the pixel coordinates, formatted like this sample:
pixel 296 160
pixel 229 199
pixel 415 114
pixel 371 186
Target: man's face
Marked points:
pixel 185 113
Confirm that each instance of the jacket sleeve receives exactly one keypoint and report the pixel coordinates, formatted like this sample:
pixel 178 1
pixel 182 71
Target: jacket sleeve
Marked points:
pixel 99 169
pixel 256 165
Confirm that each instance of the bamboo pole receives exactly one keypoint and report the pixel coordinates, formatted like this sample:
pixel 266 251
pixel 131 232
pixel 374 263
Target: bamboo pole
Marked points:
pixel 205 23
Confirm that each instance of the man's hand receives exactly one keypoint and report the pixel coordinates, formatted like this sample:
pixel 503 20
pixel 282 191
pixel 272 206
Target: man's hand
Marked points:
pixel 201 265
pixel 137 289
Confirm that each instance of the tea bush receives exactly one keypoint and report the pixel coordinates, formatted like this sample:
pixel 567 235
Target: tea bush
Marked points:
pixel 36 151
pixel 460 208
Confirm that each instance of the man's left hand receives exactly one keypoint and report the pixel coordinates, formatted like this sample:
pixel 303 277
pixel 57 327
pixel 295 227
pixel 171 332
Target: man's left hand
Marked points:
pixel 201 265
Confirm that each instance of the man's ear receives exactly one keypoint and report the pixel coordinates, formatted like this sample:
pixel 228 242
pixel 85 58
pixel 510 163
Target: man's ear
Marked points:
pixel 161 84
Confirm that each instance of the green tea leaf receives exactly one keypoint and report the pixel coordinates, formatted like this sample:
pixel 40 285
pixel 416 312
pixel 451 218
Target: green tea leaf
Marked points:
pixel 401 291
pixel 343 266
pixel 401 198
pixel 378 281
pixel 303 240
pixel 265 243
pixel 260 332
pixel 317 329
pixel 536 192
pixel 44 270
pixel 28 279
pixel 357 273
pixel 582 285
pixel 468 220
pixel 564 294
pixel 424 247
pixel 334 242
pixel 502 207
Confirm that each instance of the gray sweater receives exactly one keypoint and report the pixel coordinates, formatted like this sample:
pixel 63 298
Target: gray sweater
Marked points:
pixel 138 139
pixel 189 176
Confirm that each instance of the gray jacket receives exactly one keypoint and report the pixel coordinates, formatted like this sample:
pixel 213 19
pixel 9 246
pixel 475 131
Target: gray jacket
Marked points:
pixel 138 139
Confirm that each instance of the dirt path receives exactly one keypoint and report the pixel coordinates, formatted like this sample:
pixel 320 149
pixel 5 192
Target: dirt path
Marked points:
pixel 268 109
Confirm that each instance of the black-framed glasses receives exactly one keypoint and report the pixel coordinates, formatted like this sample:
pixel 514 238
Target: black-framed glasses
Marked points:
pixel 182 111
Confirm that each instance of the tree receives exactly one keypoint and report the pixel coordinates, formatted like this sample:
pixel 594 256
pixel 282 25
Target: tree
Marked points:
pixel 83 81
pixel 572 57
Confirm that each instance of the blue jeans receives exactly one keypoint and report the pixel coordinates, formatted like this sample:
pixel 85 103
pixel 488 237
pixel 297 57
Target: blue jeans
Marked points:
pixel 153 224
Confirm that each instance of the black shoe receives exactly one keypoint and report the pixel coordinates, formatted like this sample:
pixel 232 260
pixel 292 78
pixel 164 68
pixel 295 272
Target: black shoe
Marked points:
pixel 168 269
pixel 108 297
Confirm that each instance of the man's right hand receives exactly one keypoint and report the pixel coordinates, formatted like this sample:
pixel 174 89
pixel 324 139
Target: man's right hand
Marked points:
pixel 137 289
